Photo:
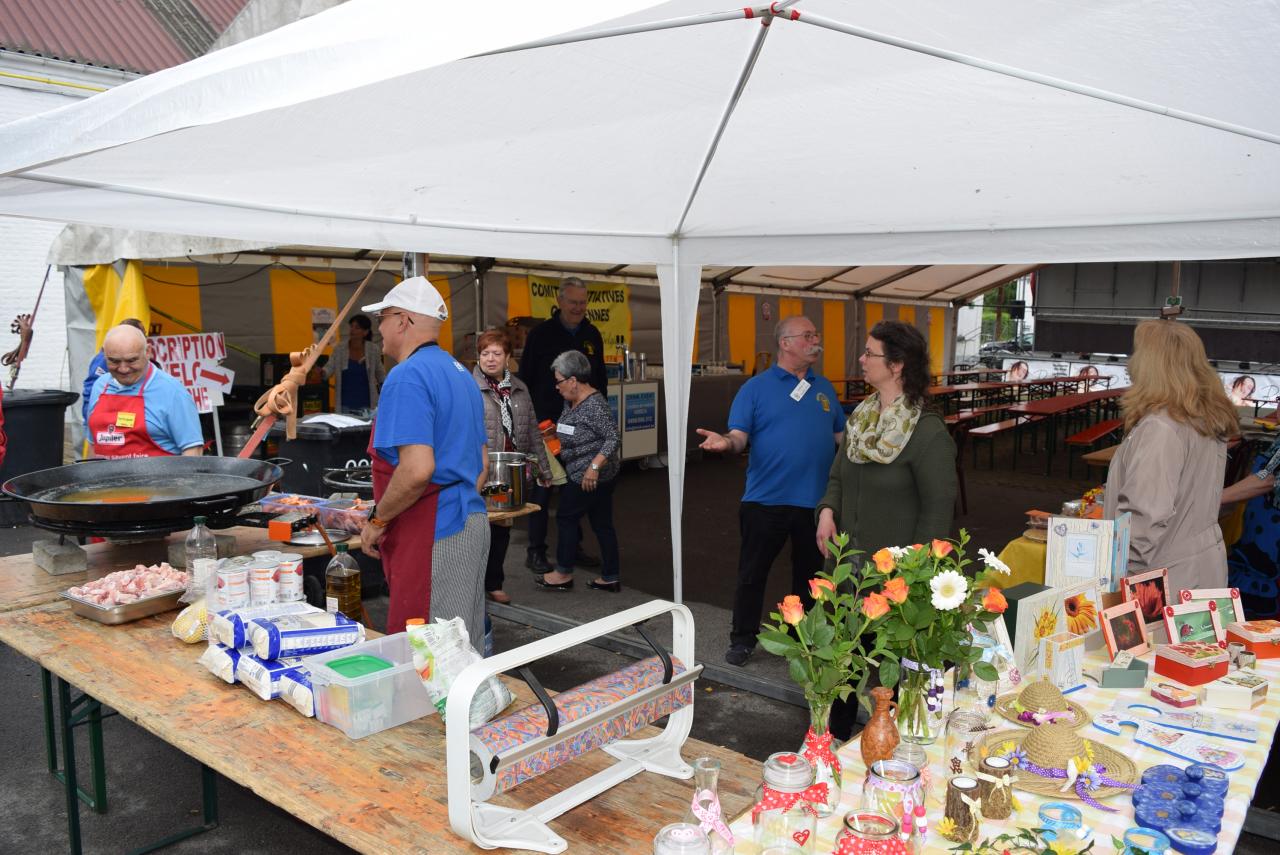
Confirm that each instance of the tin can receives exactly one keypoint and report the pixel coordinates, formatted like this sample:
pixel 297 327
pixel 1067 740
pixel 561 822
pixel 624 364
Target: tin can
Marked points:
pixel 869 833
pixel 233 587
pixel 262 583
pixel 289 578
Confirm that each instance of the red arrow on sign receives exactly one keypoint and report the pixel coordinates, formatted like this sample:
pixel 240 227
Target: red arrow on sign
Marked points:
pixel 220 379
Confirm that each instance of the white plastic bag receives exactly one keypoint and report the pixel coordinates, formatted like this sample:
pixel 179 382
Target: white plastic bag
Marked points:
pixel 441 650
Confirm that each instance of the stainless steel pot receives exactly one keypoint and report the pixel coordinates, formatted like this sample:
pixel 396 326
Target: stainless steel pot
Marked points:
pixel 508 480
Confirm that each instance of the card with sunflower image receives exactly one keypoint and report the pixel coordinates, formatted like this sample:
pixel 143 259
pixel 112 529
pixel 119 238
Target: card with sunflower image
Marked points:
pixel 1074 610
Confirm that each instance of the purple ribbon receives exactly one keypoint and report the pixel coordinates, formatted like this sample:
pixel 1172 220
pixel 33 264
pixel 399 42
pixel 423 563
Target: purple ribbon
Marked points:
pixel 1083 781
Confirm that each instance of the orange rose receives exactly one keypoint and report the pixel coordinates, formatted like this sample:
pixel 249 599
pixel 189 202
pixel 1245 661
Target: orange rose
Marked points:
pixel 942 548
pixel 884 560
pixel 791 609
pixel 875 605
pixel 819 587
pixel 896 590
pixel 994 601
pixel 917 546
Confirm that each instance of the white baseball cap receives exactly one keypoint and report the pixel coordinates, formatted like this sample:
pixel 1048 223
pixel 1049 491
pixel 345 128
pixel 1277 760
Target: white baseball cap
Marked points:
pixel 413 295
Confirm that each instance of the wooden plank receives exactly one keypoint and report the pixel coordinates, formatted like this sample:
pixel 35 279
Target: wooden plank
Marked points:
pixel 384 793
pixel 23 584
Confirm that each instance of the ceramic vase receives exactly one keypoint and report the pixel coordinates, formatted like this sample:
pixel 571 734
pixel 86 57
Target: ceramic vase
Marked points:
pixel 880 737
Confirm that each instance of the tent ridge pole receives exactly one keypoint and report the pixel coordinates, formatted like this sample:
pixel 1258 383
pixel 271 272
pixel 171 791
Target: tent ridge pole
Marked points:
pixel 739 86
pixel 630 30
pixel 1037 78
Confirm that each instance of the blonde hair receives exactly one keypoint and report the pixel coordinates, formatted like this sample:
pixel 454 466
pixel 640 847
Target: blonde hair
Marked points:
pixel 1171 372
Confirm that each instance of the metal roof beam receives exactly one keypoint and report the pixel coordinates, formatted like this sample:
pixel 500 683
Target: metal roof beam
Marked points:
pixel 888 280
pixel 826 279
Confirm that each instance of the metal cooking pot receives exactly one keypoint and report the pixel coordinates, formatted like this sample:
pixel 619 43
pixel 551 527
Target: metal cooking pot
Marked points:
pixel 508 480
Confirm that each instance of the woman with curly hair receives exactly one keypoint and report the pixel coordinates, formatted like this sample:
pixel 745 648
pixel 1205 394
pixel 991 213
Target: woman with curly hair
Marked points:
pixel 1168 471
pixel 894 481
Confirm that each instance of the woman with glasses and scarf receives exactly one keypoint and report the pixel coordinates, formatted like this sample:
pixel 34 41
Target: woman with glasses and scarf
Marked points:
pixel 510 425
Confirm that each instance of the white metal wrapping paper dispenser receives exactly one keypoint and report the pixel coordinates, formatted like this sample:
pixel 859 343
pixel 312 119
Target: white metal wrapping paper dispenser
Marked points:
pixel 507 751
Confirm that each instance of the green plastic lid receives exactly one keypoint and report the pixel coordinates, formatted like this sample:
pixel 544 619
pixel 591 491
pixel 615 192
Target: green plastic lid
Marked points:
pixel 359 665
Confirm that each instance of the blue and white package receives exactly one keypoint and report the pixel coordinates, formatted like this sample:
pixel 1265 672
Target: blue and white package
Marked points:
pixel 303 635
pixel 222 660
pixel 262 677
pixel 295 690
pixel 229 627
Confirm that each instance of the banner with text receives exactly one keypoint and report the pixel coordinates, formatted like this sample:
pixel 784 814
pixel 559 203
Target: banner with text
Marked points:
pixel 196 361
pixel 608 307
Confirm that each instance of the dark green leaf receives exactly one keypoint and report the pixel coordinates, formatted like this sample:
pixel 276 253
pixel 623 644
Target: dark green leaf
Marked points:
pixel 823 634
pixel 799 674
pixel 927 615
pixel 888 673
pixel 986 671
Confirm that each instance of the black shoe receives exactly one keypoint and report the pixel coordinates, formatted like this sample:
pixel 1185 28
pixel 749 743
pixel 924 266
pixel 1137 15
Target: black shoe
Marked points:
pixel 553 586
pixel 537 562
pixel 738 654
pixel 586 560
pixel 601 585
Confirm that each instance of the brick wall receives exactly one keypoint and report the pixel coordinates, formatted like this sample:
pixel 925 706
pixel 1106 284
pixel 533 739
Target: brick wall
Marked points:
pixel 24 245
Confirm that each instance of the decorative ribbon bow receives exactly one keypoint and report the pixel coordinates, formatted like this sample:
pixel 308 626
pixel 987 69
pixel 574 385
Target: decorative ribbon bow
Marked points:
pixel 706 807
pixel 1001 782
pixel 818 747
pixel 1091 779
pixel 778 800
pixel 975 805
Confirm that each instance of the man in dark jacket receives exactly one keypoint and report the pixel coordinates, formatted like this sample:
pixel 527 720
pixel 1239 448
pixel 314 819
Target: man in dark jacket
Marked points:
pixel 566 329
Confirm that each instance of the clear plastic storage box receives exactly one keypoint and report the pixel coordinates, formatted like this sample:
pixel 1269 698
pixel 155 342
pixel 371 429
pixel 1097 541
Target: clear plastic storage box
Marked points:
pixel 368 687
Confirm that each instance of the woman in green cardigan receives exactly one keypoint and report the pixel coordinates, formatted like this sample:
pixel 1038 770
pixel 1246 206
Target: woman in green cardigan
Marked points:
pixel 893 482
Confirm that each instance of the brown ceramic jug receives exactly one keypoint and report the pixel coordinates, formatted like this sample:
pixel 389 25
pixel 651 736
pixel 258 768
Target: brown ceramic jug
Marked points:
pixel 880 736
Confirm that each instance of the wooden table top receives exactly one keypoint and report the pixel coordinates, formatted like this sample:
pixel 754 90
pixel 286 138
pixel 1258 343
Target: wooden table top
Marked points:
pixel 384 793
pixel 23 584
pixel 1063 403
pixel 1101 457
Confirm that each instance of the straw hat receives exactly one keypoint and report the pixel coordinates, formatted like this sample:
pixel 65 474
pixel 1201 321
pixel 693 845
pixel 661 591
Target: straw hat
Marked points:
pixel 1040 696
pixel 1050 746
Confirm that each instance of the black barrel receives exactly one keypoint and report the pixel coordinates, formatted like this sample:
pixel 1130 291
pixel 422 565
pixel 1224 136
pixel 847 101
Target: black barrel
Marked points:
pixel 319 447
pixel 33 422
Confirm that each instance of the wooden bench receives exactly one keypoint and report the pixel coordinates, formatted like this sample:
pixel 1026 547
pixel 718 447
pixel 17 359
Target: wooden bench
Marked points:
pixel 991 431
pixel 1091 436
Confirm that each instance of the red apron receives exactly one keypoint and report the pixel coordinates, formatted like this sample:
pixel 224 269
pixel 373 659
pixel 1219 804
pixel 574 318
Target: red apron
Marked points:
pixel 406 549
pixel 118 425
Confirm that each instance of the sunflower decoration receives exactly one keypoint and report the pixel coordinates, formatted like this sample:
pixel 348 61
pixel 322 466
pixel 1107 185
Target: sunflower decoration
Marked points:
pixel 1082 614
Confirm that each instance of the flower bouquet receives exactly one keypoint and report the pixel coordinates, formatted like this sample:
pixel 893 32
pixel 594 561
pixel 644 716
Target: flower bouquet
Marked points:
pixel 921 617
pixel 824 651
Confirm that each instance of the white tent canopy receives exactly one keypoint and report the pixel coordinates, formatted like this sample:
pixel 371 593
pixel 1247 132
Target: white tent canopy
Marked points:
pixel 874 133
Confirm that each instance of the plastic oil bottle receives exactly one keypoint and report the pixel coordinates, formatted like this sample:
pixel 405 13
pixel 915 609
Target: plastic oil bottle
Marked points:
pixel 201 553
pixel 342 584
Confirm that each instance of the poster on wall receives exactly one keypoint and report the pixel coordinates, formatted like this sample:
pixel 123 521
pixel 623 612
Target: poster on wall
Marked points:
pixel 1246 389
pixel 196 361
pixel 608 307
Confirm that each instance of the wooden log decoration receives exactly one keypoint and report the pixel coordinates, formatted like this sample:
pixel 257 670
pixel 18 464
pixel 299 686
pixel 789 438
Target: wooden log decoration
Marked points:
pixel 995 780
pixel 962 806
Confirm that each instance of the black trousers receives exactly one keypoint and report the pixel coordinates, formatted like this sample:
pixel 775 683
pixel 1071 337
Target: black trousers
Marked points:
pixel 765 529
pixel 597 507
pixel 499 540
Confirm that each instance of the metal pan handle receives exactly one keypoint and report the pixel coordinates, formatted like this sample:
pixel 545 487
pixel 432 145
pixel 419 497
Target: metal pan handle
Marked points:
pixel 279 461
pixel 218 505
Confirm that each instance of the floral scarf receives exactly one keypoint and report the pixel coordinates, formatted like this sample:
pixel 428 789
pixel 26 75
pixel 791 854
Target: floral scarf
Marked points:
pixel 876 437
pixel 502 394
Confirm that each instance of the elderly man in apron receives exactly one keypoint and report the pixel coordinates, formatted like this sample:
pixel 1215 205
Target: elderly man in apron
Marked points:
pixel 429 459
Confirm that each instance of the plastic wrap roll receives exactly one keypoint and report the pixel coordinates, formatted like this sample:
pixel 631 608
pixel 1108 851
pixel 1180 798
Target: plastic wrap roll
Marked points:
pixel 525 725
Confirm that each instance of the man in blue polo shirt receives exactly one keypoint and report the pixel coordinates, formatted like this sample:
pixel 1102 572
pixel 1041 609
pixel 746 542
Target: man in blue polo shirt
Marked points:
pixel 793 421
pixel 428 451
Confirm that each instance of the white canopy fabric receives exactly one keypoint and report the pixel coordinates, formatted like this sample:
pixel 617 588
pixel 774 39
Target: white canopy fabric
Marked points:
pixel 870 133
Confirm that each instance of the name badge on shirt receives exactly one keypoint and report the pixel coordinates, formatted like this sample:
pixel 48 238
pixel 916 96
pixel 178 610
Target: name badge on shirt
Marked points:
pixel 567 430
pixel 108 438
pixel 125 420
pixel 798 392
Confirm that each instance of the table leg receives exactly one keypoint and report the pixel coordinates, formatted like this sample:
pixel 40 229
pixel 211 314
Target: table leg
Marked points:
pixel 93 714
pixel 1050 443
pixel 209 794
pixel 69 761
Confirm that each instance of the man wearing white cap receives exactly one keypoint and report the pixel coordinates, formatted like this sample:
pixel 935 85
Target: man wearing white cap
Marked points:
pixel 428 451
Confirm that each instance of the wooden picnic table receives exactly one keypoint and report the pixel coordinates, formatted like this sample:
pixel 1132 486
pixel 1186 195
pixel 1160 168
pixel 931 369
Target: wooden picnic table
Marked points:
pixel 1053 408
pixel 383 793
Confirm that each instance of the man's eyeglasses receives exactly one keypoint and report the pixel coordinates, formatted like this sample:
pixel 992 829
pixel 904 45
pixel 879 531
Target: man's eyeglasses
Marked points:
pixel 807 336
pixel 384 315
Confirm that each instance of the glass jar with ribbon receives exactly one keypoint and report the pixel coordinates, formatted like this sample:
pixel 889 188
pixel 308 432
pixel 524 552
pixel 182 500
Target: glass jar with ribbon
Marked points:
pixel 704 810
pixel 784 814
pixel 893 788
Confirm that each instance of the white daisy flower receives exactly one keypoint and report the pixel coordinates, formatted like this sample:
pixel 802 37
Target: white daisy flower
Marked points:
pixel 989 558
pixel 898 551
pixel 949 590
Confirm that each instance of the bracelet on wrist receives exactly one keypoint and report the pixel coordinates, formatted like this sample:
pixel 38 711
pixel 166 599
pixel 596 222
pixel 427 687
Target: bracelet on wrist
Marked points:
pixel 374 521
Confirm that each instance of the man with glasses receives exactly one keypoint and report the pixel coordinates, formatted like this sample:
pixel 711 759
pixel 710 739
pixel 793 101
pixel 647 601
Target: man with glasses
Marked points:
pixel 137 410
pixel 429 526
pixel 792 419
pixel 566 329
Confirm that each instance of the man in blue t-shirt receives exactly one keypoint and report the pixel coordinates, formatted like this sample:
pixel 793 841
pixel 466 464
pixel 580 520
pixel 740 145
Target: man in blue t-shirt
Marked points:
pixel 428 448
pixel 790 416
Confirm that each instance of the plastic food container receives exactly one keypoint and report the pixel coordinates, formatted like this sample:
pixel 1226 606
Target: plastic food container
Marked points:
pixel 348 515
pixel 368 687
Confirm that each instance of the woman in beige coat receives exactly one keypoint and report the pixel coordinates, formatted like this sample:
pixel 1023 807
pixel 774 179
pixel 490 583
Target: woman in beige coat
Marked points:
pixel 510 425
pixel 1169 470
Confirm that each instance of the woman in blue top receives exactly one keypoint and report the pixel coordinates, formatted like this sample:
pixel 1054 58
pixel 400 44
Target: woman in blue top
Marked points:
pixel 357 362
